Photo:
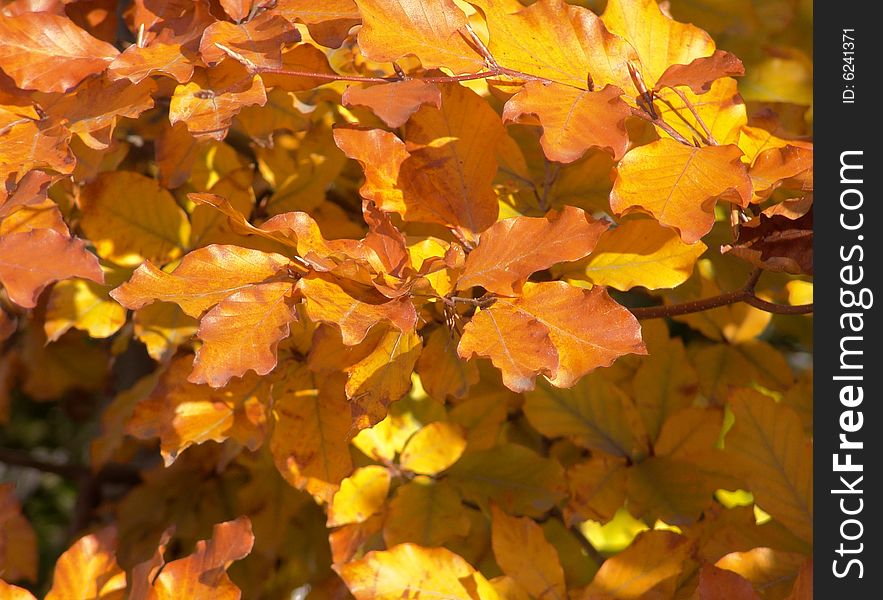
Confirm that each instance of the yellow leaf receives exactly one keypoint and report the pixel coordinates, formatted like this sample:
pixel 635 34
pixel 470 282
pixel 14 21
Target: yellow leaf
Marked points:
pixel 722 366
pixel 674 184
pixel 653 557
pixel 656 38
pixel 130 218
pixel 360 496
pixel 162 327
pixel 594 413
pixel 433 449
pixel 767 447
pixel 799 292
pixel 311 432
pixel 558 41
pixel 514 477
pixel 83 305
pixel 13 592
pixel 89 569
pixel 722 110
pixel 410 570
pixel 524 554
pixel 767 569
pixel 383 376
pixel 665 382
pixel 426 512
pixel 641 253
pixel 432 31
pixel 386 439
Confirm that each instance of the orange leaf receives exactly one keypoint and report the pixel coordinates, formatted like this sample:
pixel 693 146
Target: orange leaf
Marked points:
pixel 653 557
pixel 47 52
pixel 203 574
pixel 33 143
pixel 18 542
pixel 13 592
pixel 305 58
pixel 136 63
pixel 257 44
pixel 522 551
pixel 242 333
pixel 573 120
pixel 329 22
pixel 679 185
pixel 29 261
pixel 394 102
pixel 202 279
pixel 352 308
pixel 392 29
pixel 89 569
pixel 213 97
pixel 554 329
pixel 182 414
pixel 702 72
pixel 237 9
pixel 513 249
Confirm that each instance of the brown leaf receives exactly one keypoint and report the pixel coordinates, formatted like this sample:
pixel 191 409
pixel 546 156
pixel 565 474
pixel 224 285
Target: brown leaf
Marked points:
pixel 242 332
pixel 513 249
pixel 47 52
pixel 237 9
pixel 257 44
pixel 776 243
pixel 29 261
pixel 304 58
pixel 702 72
pixel 573 120
pixel 394 102
pixel 18 542
pixel 716 584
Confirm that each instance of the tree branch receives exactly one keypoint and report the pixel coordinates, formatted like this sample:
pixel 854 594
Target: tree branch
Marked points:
pixel 744 294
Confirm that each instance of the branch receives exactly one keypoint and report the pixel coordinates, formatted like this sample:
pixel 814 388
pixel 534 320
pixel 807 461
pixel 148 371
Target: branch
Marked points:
pixel 643 114
pixel 744 294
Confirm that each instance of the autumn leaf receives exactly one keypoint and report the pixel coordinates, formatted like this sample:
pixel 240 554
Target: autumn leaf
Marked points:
pixel 394 102
pixel 638 253
pixel 699 74
pixel 208 103
pixel 47 52
pixel 136 63
pixel 653 557
pixel 329 23
pixel 597 488
pixel 83 305
pixel 553 329
pixel 425 511
pixel 767 447
pixel 241 333
pixel 715 583
pixel 360 496
pixel 411 569
pixel 431 31
pixel 524 554
pixel 573 120
pixel 29 261
pixel 202 279
pixel 18 541
pixel 674 184
pixel 257 44
pixel 32 143
pixel 513 249
pixel 203 574
pixel 777 242
pixel 131 218
pixel 433 449
pixel 13 592
pixel 88 569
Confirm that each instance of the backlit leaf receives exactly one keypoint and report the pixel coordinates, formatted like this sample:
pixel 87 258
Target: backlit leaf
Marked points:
pixel 360 496
pixel 699 74
pixel 394 102
pixel 241 333
pixel 18 541
pixel 131 218
pixel 88 569
pixel 83 305
pixel 433 449
pixel 674 183
pixel 257 43
pixel 513 249
pixel 29 261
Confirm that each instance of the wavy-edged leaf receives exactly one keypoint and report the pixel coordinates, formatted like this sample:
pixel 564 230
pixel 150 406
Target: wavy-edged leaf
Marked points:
pixel 256 43
pixel 522 551
pixel 202 279
pixel 31 260
pixel 88 569
pixel 679 185
pixel 394 102
pixel 513 249
pixel 360 496
pixel 433 449
pixel 49 53
pixel 701 72
pixel 136 63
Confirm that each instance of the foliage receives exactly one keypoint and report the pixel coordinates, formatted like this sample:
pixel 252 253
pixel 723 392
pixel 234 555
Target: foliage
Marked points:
pixel 476 299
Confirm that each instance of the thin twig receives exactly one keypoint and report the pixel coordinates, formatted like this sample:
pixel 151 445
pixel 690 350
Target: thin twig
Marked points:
pixel 692 109
pixel 643 114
